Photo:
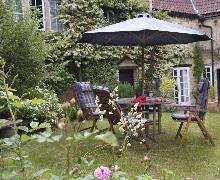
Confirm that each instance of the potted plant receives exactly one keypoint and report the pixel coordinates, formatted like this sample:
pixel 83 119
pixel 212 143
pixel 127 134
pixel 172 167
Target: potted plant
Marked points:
pixel 212 102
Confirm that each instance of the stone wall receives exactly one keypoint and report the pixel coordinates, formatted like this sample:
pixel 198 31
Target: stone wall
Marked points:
pixel 205 45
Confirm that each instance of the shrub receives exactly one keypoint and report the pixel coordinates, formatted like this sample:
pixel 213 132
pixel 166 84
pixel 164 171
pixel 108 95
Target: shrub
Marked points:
pixel 137 90
pixel 168 86
pixel 125 90
pixel 57 77
pixel 22 46
pixel 199 64
pixel 212 93
pixel 50 111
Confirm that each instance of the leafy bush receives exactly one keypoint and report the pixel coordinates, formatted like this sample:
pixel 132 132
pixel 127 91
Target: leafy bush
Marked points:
pixel 101 73
pixel 168 86
pixel 199 64
pixel 50 111
pixel 137 90
pixel 57 77
pixel 212 93
pixel 125 90
pixel 22 46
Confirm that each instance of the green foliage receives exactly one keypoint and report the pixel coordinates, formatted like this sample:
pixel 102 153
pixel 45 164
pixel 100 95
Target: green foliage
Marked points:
pixel 77 17
pixel 108 138
pixel 168 86
pixel 198 64
pixel 137 90
pixel 122 10
pixel 212 93
pixel 101 73
pixel 50 111
pixel 80 16
pixel 57 78
pixel 125 90
pixel 22 46
pixel 70 110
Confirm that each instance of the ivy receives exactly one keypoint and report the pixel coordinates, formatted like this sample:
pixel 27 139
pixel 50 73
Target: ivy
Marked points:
pixel 198 64
pixel 99 63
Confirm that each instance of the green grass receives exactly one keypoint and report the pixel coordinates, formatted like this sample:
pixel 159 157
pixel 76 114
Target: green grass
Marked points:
pixel 196 159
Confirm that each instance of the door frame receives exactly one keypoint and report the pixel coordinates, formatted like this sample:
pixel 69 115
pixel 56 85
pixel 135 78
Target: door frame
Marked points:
pixel 178 84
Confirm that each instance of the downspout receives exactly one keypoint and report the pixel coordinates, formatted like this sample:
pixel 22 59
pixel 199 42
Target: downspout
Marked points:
pixel 201 20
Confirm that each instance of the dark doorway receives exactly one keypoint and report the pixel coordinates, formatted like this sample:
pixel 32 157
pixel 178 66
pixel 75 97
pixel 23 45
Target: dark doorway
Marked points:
pixel 218 84
pixel 126 76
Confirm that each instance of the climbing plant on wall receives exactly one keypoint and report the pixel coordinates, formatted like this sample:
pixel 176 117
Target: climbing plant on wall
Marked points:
pixel 198 64
pixel 79 16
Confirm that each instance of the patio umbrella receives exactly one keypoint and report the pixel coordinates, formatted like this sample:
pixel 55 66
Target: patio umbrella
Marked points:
pixel 143 30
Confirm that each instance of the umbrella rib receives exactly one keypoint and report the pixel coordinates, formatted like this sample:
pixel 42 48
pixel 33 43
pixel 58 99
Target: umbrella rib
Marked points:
pixel 134 35
pixel 143 38
pixel 110 39
pixel 174 38
pixel 153 35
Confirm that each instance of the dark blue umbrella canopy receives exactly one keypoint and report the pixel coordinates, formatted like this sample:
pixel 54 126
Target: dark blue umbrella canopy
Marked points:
pixel 143 31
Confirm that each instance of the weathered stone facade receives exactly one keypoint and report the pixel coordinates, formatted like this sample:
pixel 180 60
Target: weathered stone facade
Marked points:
pixel 214 22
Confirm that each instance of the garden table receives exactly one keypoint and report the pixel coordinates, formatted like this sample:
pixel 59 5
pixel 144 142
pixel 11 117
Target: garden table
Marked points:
pixel 151 106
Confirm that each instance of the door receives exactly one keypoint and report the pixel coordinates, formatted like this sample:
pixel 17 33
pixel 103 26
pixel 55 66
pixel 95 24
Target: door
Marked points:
pixel 182 94
pixel 126 76
pixel 218 84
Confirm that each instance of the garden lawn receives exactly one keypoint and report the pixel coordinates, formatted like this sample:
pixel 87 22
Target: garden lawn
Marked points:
pixel 196 159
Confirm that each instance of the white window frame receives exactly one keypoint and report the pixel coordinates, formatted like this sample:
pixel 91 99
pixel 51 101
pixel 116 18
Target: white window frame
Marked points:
pixel 17 14
pixel 57 21
pixel 178 69
pixel 204 74
pixel 43 13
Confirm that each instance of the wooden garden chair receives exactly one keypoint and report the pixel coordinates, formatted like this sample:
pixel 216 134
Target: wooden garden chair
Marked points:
pixel 194 114
pixel 85 97
pixel 113 110
pixel 114 115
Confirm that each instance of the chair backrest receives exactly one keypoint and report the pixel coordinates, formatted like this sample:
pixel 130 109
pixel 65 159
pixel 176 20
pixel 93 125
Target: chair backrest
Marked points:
pixel 85 95
pixel 112 112
pixel 203 97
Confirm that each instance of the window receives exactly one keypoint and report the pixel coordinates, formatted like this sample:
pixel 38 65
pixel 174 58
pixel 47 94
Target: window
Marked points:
pixel 18 9
pixel 39 5
pixel 208 73
pixel 182 94
pixel 55 25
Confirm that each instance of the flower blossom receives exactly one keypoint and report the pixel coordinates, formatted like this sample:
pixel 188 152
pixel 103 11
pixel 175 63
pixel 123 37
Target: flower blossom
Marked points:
pixel 102 173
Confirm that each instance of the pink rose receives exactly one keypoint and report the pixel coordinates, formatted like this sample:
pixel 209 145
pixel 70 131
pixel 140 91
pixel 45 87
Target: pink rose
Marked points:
pixel 102 173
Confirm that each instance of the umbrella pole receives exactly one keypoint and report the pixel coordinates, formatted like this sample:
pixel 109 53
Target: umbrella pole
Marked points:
pixel 142 65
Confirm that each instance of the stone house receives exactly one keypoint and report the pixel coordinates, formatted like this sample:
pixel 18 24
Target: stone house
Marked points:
pixel 47 12
pixel 203 15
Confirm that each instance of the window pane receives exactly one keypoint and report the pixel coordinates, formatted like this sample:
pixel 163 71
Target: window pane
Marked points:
pixel 33 3
pixel 208 69
pixel 55 24
pixel 38 2
pixel 39 5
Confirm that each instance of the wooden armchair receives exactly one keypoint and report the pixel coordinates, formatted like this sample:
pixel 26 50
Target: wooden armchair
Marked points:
pixel 194 114
pixel 114 115
pixel 112 108
pixel 85 97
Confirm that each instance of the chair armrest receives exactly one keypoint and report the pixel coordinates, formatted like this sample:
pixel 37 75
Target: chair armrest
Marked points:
pixel 197 110
pixel 185 106
pixel 91 106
